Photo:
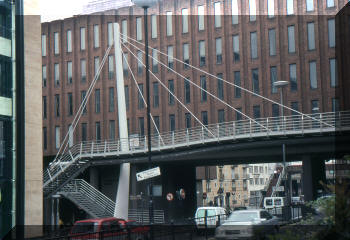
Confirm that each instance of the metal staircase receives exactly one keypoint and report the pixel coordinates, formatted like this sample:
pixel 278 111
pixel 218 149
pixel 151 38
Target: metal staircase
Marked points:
pixel 92 201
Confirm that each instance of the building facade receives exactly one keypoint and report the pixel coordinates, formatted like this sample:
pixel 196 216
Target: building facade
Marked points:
pixel 266 41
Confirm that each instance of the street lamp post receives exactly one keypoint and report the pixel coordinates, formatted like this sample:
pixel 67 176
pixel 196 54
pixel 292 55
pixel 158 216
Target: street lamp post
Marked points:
pixel 282 85
pixel 145 4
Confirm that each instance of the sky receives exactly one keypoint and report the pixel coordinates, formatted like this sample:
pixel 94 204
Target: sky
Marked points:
pixel 58 9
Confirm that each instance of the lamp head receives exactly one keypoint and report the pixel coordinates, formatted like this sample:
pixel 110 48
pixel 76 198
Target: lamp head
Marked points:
pixel 280 83
pixel 145 3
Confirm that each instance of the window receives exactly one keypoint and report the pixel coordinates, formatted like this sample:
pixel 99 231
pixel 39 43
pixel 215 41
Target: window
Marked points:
pixel 271 8
pixel 204 116
pixel 43 45
pixel 221 116
pixel 156 121
pixel 124 30
pixel 44 107
pixel 273 77
pixel 170 57
pixel 155 94
pixel 188 120
pixel 275 110
pixel 201 53
pixel 83 70
pixel 83 95
pixel 237 81
pixel 57 137
pixel 154 61
pixel 200 18
pixel 252 10
pixel 291 39
pixel 234 12
pixel 235 41
pixel 172 122
pixel 203 83
pixel 313 74
pixel 330 3
pixel 111 129
pixel 172 90
pixel 70 104
pixel 253 45
pixel 110 67
pixel 56 43
pixel 335 105
pixel 139 96
pixel 238 114
pixel 126 92
pixel 311 36
pixel 293 77
pixel 98 131
pixel 84 132
pixel 138 29
pixel 220 86
pixel 184 20
pixel 217 13
pixel 186 55
pixel 169 23
pixel 111 100
pixel 272 41
pixel 45 138
pixel 110 34
pixel 309 5
pixel 333 72
pixel 290 7
pixel 154 26
pixel 218 47
pixel 255 78
pixel 97 66
pixel 57 74
pixel 139 63
pixel 331 32
pixel 125 65
pixel 96 37
pixel 44 75
pixel 97 101
pixel 187 90
pixel 314 106
pixel 69 73
pixel 69 41
pixel 256 111
pixel 82 38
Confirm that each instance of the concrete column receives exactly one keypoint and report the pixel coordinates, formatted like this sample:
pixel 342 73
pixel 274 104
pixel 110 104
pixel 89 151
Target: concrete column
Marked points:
pixel 313 173
pixel 94 177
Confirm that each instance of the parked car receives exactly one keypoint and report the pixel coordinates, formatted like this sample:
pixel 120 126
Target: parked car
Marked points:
pixel 107 228
pixel 213 216
pixel 247 224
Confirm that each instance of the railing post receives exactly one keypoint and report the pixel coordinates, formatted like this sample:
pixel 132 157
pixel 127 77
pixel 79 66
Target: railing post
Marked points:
pixel 187 137
pixel 81 148
pixel 173 138
pixel 218 131
pixel 267 127
pixel 250 127
pixel 105 148
pixel 49 173
pixel 340 123
pixel 118 145
pixel 145 143
pixel 202 135
pixel 92 148
pixel 284 125
pixel 302 124
pixel 234 130
pixel 159 142
pixel 321 122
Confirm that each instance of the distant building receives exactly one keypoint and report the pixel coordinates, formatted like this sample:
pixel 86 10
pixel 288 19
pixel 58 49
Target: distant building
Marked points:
pixel 99 6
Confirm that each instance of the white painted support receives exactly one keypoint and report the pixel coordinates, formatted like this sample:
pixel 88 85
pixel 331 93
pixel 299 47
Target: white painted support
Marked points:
pixel 81 148
pixel 284 125
pixel 105 148
pixel 158 142
pixel 267 127
pixel 122 199
pixel 92 148
pixel 145 144
pixel 202 135
pixel 173 139
pixel 302 124
pixel 187 137
pixel 321 123
pixel 218 131
pixel 234 130
pixel 250 128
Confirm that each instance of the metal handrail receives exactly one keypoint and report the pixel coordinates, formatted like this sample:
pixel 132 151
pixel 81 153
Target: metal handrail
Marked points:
pixel 273 126
pixel 278 182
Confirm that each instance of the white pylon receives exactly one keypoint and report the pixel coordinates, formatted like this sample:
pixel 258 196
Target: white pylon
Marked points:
pixel 122 199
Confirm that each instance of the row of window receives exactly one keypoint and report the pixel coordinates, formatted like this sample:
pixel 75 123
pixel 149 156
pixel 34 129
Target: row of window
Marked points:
pixel 188 121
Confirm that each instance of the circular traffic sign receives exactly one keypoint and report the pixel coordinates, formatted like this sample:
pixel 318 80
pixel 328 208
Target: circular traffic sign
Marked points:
pixel 169 197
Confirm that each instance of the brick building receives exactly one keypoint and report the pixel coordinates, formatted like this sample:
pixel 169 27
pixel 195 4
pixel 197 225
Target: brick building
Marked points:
pixel 268 40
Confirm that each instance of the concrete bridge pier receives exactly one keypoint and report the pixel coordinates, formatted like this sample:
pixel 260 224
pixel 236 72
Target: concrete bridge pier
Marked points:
pixel 313 174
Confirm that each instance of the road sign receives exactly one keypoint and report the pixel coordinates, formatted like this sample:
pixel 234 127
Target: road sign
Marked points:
pixel 278 189
pixel 169 197
pixel 150 173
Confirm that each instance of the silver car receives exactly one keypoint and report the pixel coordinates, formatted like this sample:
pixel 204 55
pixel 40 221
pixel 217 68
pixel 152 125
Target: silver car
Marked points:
pixel 248 224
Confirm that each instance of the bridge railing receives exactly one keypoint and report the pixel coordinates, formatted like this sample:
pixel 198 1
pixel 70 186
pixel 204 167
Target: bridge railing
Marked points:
pixel 274 126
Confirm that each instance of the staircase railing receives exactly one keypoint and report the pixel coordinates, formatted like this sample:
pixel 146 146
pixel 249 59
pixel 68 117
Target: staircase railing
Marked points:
pixel 281 175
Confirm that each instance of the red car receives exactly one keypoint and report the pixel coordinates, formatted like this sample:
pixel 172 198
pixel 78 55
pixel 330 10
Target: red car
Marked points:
pixel 108 228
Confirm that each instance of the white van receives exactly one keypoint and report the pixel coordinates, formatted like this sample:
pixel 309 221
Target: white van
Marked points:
pixel 213 214
pixel 274 202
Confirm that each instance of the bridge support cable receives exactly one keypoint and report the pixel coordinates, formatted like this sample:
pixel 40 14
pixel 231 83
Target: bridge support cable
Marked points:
pixel 230 83
pixel 161 83
pixel 209 93
pixel 144 101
